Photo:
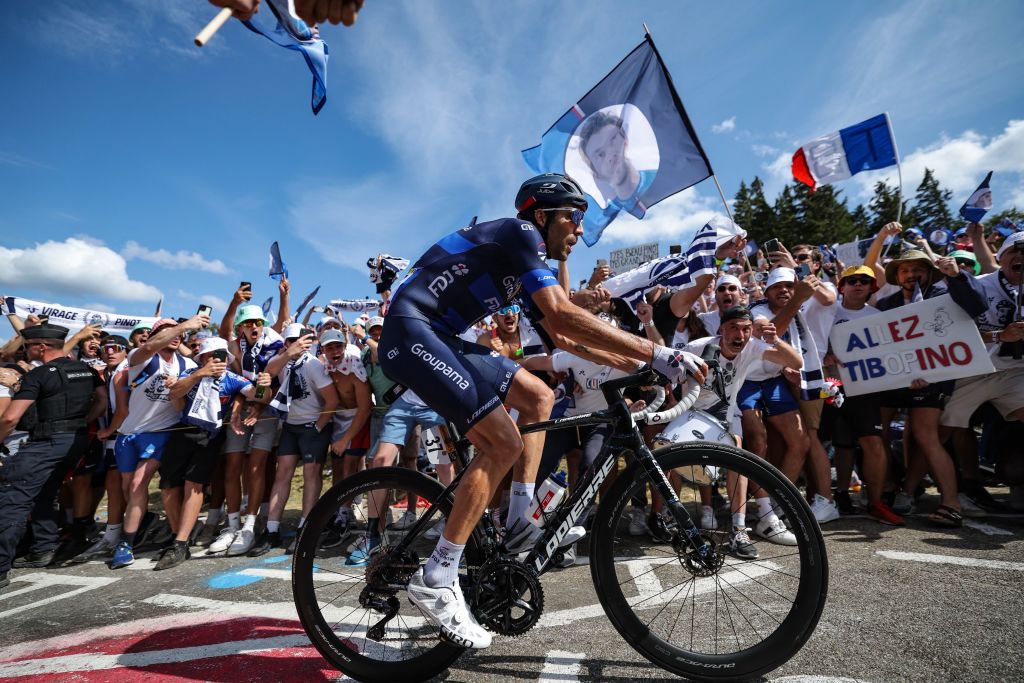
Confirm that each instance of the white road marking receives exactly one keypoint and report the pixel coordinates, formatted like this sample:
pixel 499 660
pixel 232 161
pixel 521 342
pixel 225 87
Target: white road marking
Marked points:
pixel 950 559
pixel 987 529
pixel 42 580
pixel 642 571
pixel 562 666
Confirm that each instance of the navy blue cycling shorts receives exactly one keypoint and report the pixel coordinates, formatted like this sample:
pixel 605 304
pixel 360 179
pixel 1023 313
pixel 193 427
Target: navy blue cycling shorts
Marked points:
pixel 460 380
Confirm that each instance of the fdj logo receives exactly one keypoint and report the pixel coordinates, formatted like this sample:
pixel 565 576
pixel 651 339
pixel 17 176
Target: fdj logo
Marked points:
pixel 441 282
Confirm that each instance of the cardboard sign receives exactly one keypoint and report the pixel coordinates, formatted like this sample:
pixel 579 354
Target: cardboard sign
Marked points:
pixel 622 260
pixel 933 340
pixel 75 318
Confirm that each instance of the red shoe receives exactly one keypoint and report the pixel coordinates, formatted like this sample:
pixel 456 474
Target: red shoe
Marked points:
pixel 881 512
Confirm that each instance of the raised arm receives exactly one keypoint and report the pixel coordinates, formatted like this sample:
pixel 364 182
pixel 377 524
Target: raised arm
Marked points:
pixel 983 252
pixel 227 324
pixel 164 337
pixel 874 256
pixel 283 316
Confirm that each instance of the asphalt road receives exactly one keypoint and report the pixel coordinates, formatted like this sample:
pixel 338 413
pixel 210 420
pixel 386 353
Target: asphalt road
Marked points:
pixel 911 604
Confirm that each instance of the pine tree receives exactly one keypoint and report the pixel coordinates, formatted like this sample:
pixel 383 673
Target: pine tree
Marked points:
pixel 861 222
pixel 788 227
pixel 931 205
pixel 884 207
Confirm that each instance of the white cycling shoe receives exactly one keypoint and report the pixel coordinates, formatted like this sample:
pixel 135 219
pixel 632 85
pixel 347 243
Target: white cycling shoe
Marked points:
pixel 446 608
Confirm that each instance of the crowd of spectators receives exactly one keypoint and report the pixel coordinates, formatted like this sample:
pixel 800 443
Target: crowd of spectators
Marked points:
pixel 224 418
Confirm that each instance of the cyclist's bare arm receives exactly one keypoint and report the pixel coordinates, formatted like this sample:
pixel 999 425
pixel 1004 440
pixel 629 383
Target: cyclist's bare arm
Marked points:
pixel 612 360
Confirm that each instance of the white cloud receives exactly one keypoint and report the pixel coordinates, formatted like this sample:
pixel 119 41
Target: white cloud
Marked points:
pixel 674 220
pixel 8 158
pixel 179 260
pixel 74 266
pixel 726 126
pixel 102 308
pixel 764 150
pixel 219 305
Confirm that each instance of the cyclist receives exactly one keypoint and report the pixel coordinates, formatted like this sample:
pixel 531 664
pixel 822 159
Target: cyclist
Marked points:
pixel 465 276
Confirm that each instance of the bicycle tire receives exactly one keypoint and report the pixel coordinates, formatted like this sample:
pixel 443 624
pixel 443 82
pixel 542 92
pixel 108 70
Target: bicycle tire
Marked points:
pixel 792 630
pixel 345 652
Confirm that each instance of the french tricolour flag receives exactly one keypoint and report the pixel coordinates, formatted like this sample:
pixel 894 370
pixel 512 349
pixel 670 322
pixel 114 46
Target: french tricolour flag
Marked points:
pixel 837 156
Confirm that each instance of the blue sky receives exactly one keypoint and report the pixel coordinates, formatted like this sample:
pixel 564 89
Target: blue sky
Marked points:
pixel 135 165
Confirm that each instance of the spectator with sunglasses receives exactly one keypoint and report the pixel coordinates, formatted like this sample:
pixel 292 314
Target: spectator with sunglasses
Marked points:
pixel 512 336
pixel 1005 389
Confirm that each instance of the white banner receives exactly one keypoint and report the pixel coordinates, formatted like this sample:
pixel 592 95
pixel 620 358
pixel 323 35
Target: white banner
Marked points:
pixel 354 305
pixel 621 260
pixel 933 340
pixel 74 318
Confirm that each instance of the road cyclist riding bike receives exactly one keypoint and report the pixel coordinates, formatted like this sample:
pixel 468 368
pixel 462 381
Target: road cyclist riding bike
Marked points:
pixel 464 277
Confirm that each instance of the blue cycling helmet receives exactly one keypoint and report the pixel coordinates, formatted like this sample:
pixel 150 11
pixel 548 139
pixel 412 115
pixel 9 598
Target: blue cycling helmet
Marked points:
pixel 549 190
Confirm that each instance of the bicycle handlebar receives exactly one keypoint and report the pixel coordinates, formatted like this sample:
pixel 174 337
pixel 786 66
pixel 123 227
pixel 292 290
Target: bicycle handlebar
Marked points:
pixel 678 409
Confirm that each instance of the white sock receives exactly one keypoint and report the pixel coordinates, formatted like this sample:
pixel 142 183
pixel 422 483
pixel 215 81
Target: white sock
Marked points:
pixel 250 522
pixel 707 510
pixel 234 520
pixel 273 526
pixel 214 516
pixel 245 501
pixel 302 522
pixel 442 569
pixel 264 510
pixel 739 520
pixel 764 507
pixel 112 534
pixel 522 495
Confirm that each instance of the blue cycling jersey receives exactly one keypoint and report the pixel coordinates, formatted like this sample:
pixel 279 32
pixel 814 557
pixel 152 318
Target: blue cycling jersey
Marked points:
pixel 471 273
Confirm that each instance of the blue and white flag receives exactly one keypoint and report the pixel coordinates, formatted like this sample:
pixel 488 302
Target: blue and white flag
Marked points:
pixel 1006 227
pixel 267 313
pixel 628 142
pixel 677 270
pixel 278 269
pixel 293 33
pixel 978 204
pixel 305 302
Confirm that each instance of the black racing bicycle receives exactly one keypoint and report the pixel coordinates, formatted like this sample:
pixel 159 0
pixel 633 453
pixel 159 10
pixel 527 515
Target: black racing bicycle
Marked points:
pixel 684 602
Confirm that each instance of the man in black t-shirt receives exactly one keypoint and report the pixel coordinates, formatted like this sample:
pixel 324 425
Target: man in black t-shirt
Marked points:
pixel 55 403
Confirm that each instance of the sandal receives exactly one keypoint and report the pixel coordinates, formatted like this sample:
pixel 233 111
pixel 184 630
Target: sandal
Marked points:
pixel 947 517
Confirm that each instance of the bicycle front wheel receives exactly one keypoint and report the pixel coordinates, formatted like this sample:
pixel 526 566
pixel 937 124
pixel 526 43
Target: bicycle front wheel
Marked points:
pixel 723 618
pixel 350 594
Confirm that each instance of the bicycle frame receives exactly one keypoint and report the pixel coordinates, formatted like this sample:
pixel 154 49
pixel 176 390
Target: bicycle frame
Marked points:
pixel 626 436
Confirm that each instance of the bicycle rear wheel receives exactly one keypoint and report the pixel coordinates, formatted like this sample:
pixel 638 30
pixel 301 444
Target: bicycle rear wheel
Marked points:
pixel 343 608
pixel 726 619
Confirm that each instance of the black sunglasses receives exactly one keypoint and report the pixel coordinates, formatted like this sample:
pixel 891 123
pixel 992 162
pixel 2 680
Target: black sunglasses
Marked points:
pixel 855 280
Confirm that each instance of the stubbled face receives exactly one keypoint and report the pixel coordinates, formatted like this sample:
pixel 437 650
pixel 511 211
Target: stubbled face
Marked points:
pixel 334 352
pixel 507 323
pixel 802 256
pixel 728 295
pixel 250 330
pixel 140 338
pixel 91 348
pixel 562 234
pixel 1012 265
pixel 779 294
pixel 735 335
pixel 910 273
pixel 606 152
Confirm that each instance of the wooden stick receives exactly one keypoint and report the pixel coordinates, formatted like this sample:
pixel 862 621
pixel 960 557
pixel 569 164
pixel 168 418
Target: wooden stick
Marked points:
pixel 204 36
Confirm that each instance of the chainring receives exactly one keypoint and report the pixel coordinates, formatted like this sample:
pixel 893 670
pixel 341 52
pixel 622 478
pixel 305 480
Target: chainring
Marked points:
pixel 508 598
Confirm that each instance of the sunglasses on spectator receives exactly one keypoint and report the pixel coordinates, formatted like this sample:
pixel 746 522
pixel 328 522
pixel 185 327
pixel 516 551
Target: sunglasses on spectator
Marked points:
pixel 575 215
pixel 855 280
pixel 802 257
pixel 251 323
pixel 114 348
pixel 728 288
pixel 965 263
pixel 506 310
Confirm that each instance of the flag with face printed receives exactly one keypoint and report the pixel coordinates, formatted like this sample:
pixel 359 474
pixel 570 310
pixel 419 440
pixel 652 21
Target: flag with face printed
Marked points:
pixel 628 142
pixel 978 204
pixel 278 269
pixel 293 33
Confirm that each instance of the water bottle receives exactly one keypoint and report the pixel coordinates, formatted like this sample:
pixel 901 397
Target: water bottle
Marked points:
pixel 547 498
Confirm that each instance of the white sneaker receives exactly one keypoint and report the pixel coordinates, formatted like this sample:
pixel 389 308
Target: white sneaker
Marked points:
pixel 434 532
pixel 242 543
pixel 407 519
pixel 707 518
pixel 223 542
pixel 637 522
pixel 968 507
pixel 824 510
pixel 446 608
pixel 772 529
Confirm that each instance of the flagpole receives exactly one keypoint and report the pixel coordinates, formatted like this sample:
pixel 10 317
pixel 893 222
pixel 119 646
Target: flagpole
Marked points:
pixel 679 104
pixel 204 36
pixel 899 170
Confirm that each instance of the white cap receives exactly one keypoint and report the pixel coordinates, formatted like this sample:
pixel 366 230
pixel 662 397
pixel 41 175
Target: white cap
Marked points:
pixel 374 321
pixel 211 344
pixel 727 279
pixel 327 319
pixel 780 275
pixel 1015 238
pixel 293 331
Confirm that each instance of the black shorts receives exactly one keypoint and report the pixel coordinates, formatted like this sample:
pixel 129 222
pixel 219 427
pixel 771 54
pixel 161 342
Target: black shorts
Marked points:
pixel 305 441
pixel 190 455
pixel 462 381
pixel 860 416
pixel 932 396
pixel 91 460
